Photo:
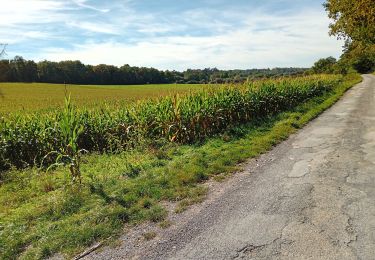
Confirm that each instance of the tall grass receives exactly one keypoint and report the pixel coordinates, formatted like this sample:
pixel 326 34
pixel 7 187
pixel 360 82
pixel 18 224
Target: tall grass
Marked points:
pixel 26 139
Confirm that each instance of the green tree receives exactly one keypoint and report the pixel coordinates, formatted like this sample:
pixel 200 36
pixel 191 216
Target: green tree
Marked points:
pixel 360 56
pixel 4 67
pixel 4 70
pixel 23 70
pixel 50 72
pixel 352 19
pixel 31 71
pixel 325 65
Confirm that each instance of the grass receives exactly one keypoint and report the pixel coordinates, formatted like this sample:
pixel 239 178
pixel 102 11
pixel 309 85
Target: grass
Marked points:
pixel 165 224
pixel 149 235
pixel 33 97
pixel 42 214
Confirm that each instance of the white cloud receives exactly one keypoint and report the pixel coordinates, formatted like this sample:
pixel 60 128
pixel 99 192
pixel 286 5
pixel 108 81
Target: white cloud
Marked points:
pixel 20 19
pixel 17 12
pixel 302 39
pixel 194 38
pixel 83 3
pixel 95 27
pixel 17 18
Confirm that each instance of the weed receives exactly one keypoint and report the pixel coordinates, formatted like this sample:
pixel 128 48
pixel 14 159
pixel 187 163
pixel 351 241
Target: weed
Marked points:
pixel 149 235
pixel 165 224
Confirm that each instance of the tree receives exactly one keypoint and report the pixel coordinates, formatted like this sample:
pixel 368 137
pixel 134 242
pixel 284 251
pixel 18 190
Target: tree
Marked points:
pixel 4 70
pixel 357 55
pixel 75 72
pixel 324 65
pixel 352 19
pixel 50 72
pixel 23 70
pixel 2 65
pixel 31 71
pixel 361 57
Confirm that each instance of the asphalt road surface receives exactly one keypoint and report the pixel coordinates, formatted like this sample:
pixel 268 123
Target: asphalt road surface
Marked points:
pixel 311 197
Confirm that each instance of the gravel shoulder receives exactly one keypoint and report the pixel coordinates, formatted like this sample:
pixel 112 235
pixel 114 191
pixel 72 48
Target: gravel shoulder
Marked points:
pixel 311 197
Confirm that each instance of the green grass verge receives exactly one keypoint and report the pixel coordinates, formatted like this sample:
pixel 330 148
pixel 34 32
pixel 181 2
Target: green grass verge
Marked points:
pixel 42 213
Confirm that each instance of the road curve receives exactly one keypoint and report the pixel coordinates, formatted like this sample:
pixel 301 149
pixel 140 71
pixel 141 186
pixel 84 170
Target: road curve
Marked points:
pixel 311 197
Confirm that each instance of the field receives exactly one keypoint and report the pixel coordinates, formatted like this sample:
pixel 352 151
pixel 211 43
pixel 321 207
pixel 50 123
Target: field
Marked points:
pixel 31 97
pixel 136 157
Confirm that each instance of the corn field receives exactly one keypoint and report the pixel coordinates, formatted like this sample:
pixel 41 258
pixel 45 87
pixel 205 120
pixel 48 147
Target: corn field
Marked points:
pixel 25 140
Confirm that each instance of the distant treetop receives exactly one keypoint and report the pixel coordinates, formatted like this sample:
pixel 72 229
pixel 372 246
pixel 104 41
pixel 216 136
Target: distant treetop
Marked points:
pixel 75 72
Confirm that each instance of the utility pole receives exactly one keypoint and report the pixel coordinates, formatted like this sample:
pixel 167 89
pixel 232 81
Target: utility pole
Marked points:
pixel 3 49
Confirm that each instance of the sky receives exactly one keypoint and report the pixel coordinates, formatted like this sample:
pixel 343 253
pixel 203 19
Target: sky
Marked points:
pixel 170 34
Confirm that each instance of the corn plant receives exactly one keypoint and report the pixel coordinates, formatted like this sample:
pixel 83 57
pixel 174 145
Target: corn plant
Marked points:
pixel 69 153
pixel 26 139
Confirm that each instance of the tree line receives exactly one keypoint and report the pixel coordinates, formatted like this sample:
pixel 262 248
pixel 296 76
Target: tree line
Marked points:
pixel 75 72
pixel 354 22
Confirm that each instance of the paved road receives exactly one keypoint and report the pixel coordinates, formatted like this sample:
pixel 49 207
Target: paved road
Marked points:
pixel 312 197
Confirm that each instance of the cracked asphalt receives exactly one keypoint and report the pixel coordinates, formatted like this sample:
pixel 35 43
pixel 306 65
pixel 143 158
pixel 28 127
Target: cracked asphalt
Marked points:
pixel 311 197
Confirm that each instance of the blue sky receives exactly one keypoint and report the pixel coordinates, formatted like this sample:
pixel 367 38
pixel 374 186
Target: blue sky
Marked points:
pixel 169 34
